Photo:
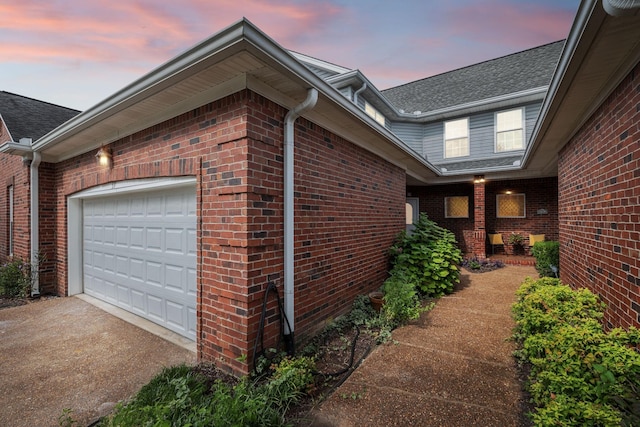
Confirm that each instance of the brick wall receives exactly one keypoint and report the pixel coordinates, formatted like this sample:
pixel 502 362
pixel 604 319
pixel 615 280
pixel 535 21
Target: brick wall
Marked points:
pixel 349 207
pixel 599 212
pixel 540 193
pixel 16 174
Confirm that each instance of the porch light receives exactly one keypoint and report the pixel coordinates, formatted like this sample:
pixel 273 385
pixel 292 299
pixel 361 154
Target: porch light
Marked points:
pixel 104 157
pixel 478 179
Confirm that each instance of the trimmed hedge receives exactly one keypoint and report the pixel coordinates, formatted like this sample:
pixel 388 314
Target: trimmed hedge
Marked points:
pixel 580 375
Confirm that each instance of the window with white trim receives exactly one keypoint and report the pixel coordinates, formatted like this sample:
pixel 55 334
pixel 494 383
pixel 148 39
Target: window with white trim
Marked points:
pixel 456 207
pixel 511 206
pixel 456 138
pixel 375 114
pixel 509 130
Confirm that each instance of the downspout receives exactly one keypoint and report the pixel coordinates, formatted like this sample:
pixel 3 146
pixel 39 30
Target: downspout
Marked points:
pixel 358 92
pixel 35 230
pixel 289 306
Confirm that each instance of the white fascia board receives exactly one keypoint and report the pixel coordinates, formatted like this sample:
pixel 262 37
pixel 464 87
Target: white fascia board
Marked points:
pixel 145 86
pixel 563 69
pixel 16 148
pixel 521 97
pixel 287 60
pixel 3 123
pixel 315 62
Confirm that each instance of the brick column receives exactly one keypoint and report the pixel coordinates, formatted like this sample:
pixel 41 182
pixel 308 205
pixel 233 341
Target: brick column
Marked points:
pixel 479 232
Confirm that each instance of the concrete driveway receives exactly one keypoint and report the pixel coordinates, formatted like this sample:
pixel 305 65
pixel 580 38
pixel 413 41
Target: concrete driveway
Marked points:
pixel 67 353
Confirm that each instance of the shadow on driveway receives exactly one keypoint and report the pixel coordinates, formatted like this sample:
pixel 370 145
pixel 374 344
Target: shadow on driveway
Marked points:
pixel 66 353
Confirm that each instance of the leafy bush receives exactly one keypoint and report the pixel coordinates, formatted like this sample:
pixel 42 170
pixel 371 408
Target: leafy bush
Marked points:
pixel 547 254
pixel 180 396
pixel 401 300
pixel 429 257
pixel 546 303
pixel 579 373
pixel 15 279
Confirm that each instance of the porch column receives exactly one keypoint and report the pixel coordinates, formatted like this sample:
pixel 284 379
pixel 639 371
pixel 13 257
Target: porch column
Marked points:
pixel 479 231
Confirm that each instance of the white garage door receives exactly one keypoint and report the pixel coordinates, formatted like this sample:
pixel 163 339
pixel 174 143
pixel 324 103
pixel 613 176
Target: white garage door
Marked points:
pixel 139 253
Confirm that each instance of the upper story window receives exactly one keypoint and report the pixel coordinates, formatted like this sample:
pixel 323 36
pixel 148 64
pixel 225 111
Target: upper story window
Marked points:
pixel 375 114
pixel 456 138
pixel 509 130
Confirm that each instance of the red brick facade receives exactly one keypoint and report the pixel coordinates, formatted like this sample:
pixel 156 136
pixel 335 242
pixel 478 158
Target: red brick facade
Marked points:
pixel 541 196
pixel 15 173
pixel 349 206
pixel 599 211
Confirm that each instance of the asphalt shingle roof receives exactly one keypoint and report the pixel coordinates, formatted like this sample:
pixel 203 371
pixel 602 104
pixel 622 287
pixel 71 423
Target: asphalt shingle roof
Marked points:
pixel 30 118
pixel 520 71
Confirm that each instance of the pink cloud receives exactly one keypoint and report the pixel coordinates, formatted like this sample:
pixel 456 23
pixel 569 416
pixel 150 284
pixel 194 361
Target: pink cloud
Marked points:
pixel 508 23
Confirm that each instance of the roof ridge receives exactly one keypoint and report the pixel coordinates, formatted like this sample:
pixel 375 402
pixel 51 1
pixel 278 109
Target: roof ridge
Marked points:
pixel 474 65
pixel 38 100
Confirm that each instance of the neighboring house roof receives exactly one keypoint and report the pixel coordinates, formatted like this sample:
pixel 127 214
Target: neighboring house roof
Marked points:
pixel 30 118
pixel 518 72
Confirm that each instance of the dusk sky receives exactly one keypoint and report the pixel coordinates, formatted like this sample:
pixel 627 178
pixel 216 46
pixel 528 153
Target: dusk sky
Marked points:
pixel 75 53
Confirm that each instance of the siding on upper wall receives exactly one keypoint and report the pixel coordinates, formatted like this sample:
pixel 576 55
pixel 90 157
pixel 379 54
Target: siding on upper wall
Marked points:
pixel 428 138
pixel 411 134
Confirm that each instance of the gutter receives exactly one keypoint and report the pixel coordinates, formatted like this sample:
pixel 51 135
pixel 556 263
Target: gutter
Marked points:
pixel 358 92
pixel 289 219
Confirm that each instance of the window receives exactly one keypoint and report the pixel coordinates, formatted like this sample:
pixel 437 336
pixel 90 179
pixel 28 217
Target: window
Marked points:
pixel 10 203
pixel 511 206
pixel 456 138
pixel 456 207
pixel 509 133
pixel 375 114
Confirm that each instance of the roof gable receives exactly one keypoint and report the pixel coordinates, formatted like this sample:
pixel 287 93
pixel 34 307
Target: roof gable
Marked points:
pixel 30 118
pixel 518 72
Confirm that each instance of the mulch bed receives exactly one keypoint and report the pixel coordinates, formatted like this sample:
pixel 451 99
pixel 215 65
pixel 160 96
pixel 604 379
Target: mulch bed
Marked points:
pixel 6 302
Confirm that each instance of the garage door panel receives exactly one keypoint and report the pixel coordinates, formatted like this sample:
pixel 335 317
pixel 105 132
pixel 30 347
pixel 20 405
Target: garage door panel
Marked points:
pixel 140 254
pixel 176 314
pixel 154 304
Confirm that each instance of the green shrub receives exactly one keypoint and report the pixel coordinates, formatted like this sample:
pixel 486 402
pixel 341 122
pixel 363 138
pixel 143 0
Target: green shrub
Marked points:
pixel 579 374
pixel 401 300
pixel 429 257
pixel 180 396
pixel 15 279
pixel 547 254
pixel 546 303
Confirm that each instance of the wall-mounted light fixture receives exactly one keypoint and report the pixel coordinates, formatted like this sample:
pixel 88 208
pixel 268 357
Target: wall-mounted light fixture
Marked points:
pixel 478 179
pixel 508 192
pixel 103 157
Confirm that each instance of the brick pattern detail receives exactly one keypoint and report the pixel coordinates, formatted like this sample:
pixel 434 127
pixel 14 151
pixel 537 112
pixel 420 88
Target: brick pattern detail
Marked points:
pixel 599 211
pixel 15 173
pixel 479 230
pixel 349 206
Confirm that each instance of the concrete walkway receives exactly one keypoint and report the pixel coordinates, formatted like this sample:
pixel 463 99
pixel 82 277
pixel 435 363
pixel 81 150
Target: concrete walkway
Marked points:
pixel 453 367
pixel 65 353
